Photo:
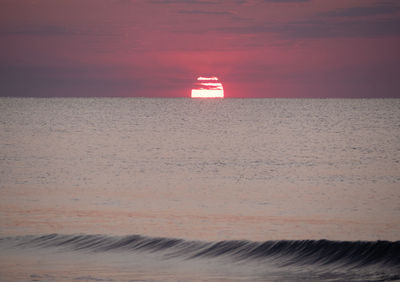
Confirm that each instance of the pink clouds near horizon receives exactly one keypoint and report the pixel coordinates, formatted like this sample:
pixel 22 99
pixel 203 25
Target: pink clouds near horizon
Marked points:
pixel 259 48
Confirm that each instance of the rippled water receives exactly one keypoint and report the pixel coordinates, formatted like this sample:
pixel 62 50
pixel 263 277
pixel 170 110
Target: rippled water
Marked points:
pixel 208 170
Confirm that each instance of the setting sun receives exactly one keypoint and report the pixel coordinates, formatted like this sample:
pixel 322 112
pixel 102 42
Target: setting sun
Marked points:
pixel 208 87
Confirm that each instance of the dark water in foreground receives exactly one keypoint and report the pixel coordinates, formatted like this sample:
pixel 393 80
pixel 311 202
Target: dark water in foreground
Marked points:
pixel 259 189
pixel 112 258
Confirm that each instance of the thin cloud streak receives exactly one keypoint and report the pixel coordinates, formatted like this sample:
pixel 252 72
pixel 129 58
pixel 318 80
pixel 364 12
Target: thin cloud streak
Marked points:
pixel 318 28
pixel 200 12
pixel 364 11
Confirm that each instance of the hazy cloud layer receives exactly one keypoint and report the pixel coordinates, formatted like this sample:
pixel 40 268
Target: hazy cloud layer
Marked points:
pixel 286 1
pixel 385 8
pixel 319 28
pixel 201 12
pixel 53 30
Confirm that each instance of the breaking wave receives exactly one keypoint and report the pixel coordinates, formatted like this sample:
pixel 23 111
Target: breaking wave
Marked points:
pixel 284 252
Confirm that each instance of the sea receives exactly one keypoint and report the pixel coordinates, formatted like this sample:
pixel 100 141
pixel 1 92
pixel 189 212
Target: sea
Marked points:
pixel 180 189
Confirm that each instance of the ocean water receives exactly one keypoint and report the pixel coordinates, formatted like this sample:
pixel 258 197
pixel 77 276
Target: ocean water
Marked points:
pixel 127 189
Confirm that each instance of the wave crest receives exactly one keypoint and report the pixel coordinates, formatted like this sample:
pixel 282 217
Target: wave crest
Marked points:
pixel 283 252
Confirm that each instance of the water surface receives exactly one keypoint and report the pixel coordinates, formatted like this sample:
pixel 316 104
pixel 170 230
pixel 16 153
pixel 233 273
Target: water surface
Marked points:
pixel 203 170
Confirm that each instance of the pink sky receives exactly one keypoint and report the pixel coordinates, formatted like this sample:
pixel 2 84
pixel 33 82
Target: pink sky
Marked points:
pixel 154 48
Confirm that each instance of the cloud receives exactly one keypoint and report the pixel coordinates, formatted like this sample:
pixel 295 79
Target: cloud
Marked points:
pixel 325 29
pixel 358 21
pixel 201 12
pixel 37 30
pixel 286 1
pixel 364 11
pixel 38 80
pixel 183 2
pixel 199 2
pixel 322 28
pixel 54 30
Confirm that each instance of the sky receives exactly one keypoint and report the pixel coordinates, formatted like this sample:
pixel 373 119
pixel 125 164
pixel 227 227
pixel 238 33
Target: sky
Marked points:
pixel 155 48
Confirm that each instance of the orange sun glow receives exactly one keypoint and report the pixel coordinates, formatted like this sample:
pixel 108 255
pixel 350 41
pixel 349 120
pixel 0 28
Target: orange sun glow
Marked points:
pixel 208 87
